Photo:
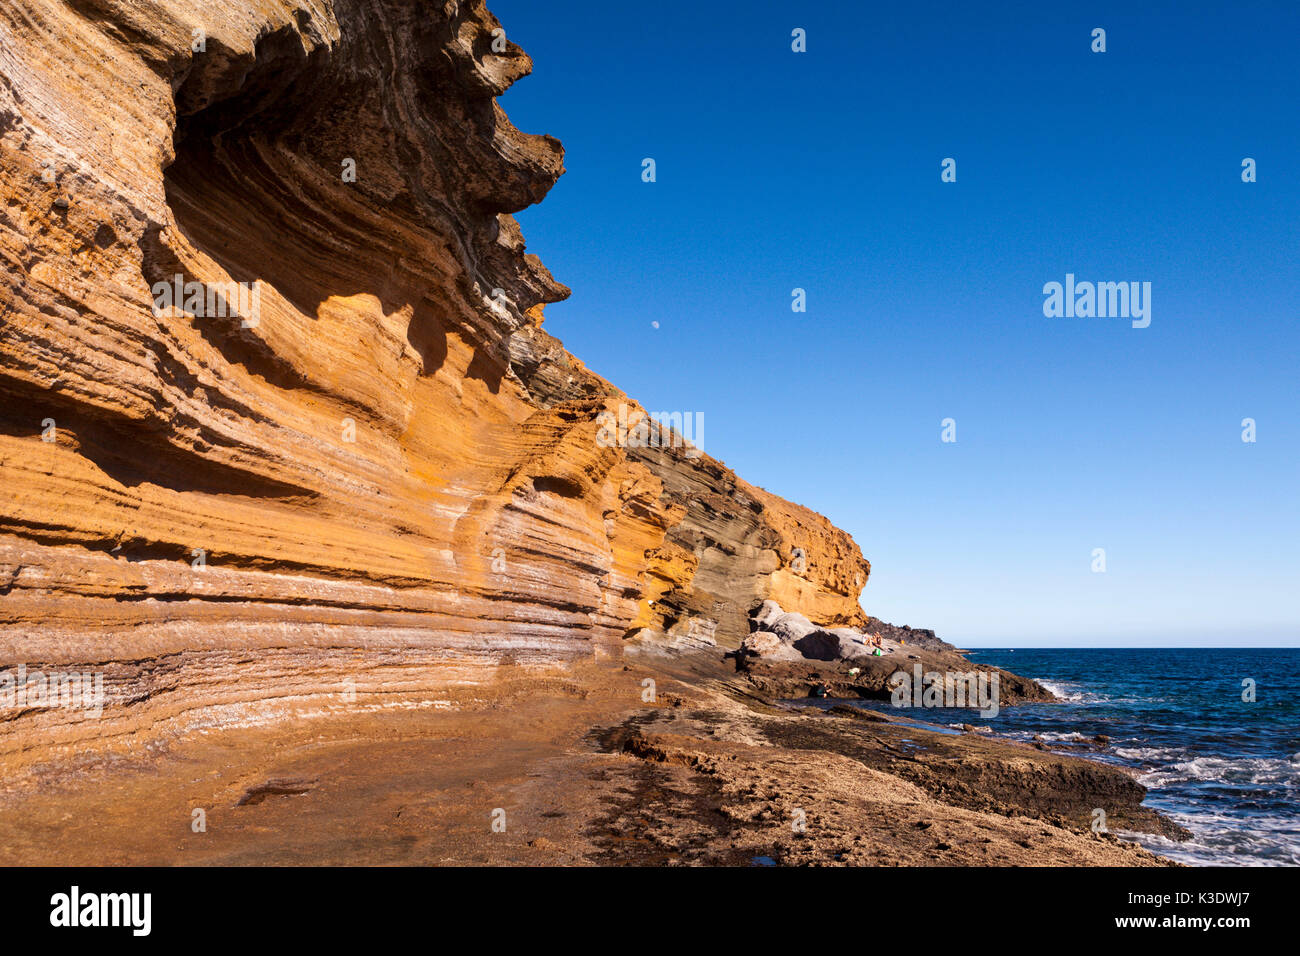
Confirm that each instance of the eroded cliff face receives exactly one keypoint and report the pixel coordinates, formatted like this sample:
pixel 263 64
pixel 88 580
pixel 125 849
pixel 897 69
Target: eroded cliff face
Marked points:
pixel 376 475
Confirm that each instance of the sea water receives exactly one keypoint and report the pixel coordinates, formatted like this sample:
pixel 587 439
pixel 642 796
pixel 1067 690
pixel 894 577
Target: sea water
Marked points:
pixel 1224 766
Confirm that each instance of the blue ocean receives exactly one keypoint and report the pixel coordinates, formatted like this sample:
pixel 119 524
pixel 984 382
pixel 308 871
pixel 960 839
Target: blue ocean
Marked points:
pixel 1227 769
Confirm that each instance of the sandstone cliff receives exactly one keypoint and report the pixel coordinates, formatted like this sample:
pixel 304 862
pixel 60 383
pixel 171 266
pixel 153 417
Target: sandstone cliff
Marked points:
pixel 375 473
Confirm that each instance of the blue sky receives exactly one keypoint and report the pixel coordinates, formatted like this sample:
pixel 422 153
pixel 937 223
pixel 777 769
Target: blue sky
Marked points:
pixel 821 170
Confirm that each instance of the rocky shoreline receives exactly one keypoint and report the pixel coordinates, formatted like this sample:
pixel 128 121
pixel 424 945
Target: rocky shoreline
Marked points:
pixel 788 656
pixel 664 758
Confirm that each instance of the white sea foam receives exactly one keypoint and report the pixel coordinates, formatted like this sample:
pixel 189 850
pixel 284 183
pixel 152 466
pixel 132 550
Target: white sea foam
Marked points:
pixel 1045 736
pixel 1259 771
pixel 1164 755
pixel 1061 690
pixel 1222 838
pixel 1071 692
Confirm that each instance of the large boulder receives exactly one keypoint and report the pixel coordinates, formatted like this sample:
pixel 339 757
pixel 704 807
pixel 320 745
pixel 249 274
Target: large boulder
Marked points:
pixel 769 646
pixel 791 627
pixel 819 646
pixel 804 639
pixel 835 645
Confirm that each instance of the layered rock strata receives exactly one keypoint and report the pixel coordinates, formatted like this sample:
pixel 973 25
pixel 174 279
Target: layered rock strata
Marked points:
pixel 352 468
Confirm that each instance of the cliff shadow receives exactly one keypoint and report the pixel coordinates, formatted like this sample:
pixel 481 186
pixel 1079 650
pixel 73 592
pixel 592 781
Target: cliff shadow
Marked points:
pixel 260 185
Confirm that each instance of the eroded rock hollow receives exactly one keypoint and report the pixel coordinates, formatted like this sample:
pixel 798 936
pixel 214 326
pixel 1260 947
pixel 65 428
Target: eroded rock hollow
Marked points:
pixel 375 474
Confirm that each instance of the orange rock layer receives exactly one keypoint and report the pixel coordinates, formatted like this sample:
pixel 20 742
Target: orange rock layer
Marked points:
pixel 377 471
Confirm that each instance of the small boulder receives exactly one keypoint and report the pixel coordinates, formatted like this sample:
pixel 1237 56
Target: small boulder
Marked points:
pixel 768 612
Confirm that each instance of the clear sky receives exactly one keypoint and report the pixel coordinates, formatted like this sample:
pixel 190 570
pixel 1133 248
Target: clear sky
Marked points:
pixel 821 170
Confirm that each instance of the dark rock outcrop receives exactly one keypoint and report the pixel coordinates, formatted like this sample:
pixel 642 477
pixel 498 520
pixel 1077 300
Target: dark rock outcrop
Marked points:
pixel 902 634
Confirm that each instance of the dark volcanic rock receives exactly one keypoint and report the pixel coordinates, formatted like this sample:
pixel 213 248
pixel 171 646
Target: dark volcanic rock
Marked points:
pixel 911 636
